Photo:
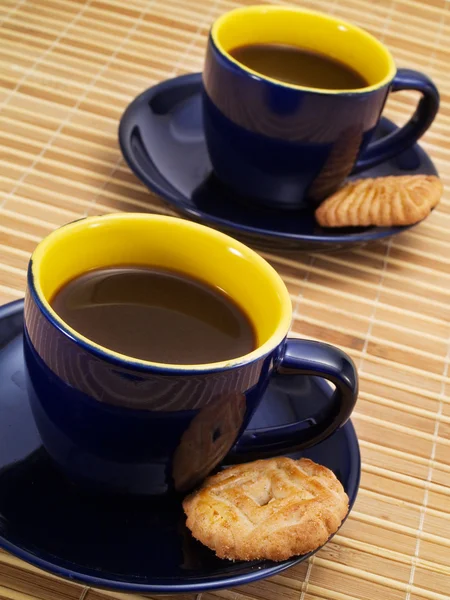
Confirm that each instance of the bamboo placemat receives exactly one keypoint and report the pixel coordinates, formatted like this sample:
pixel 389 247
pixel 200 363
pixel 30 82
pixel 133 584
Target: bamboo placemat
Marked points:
pixel 68 68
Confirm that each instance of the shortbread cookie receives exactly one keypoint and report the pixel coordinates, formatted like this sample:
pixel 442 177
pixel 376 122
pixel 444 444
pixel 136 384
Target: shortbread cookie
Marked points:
pixel 384 201
pixel 268 509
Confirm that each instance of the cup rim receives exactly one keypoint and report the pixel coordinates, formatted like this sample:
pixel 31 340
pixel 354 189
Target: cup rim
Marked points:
pixel 124 360
pixel 264 8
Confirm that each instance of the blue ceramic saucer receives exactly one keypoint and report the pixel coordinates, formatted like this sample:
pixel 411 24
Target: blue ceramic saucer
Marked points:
pixel 121 542
pixel 162 140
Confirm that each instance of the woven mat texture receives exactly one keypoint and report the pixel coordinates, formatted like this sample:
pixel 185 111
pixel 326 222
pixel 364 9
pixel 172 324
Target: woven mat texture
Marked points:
pixel 68 68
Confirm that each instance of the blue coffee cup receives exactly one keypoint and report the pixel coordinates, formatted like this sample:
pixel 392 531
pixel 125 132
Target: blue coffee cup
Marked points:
pixel 286 146
pixel 121 424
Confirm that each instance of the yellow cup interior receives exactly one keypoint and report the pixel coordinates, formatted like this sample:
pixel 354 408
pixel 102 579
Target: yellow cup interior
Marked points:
pixel 167 243
pixel 306 29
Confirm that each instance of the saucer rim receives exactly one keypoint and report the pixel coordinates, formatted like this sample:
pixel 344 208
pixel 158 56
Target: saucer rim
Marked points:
pixel 14 308
pixel 177 200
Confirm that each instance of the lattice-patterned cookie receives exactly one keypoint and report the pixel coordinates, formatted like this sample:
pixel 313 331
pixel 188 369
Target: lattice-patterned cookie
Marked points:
pixel 268 509
pixel 384 201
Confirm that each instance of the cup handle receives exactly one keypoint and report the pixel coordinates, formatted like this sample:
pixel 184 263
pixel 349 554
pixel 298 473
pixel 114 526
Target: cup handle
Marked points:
pixel 305 357
pixel 404 137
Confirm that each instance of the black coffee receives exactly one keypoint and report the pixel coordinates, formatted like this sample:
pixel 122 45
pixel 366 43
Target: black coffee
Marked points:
pixel 298 66
pixel 155 315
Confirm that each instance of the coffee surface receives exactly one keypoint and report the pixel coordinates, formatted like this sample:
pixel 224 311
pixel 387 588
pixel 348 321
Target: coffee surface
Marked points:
pixel 156 315
pixel 291 64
